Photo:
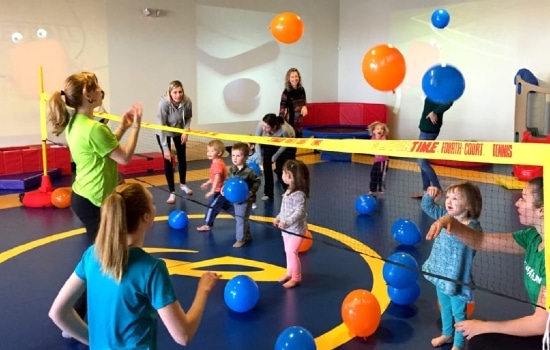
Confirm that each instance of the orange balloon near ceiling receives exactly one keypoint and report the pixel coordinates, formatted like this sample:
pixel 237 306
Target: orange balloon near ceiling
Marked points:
pixel 287 27
pixel 384 67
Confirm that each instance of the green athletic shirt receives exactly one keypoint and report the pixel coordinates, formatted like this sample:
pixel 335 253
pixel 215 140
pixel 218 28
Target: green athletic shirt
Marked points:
pixel 534 271
pixel 90 143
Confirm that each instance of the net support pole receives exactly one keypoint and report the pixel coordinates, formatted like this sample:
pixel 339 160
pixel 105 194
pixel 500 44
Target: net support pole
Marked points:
pixel 46 184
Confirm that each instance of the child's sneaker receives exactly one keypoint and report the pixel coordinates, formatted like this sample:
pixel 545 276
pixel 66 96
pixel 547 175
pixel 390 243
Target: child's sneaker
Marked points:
pixel 171 199
pixel 186 189
pixel 254 206
pixel 266 198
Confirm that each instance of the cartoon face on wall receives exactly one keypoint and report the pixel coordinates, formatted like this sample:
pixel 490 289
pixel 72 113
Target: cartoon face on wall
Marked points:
pixel 62 37
pixel 26 55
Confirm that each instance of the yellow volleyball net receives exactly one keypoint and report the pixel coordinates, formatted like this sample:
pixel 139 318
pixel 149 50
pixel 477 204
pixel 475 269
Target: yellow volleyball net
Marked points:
pixel 336 186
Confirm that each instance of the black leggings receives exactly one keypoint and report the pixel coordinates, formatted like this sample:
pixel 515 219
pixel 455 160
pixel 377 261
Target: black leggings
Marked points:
pixel 181 154
pixel 504 342
pixel 90 215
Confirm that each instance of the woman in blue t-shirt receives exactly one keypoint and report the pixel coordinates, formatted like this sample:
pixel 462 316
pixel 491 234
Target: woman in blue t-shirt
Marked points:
pixel 127 286
pixel 524 332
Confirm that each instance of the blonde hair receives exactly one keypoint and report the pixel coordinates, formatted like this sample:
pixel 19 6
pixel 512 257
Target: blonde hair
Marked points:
pixel 218 146
pixel 472 196
pixel 173 85
pixel 373 125
pixel 121 213
pixel 75 85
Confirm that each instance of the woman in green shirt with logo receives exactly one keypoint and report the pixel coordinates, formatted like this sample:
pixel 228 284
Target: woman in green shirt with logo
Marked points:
pixel 524 332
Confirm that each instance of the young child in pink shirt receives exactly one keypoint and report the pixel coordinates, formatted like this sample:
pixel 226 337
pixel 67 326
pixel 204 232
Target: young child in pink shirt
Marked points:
pixel 378 131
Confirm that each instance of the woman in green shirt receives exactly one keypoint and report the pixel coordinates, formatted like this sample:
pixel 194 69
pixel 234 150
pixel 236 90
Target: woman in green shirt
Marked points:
pixel 95 149
pixel 524 332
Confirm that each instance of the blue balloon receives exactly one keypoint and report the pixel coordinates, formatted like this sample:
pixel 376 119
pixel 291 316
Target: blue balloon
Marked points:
pixel 404 296
pixel 255 167
pixel 440 18
pixel 365 204
pixel 241 293
pixel 406 232
pixel 295 338
pixel 178 220
pixel 443 83
pixel 235 190
pixel 399 276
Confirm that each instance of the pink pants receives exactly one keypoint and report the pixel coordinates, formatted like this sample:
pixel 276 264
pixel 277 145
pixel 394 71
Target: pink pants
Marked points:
pixel 293 266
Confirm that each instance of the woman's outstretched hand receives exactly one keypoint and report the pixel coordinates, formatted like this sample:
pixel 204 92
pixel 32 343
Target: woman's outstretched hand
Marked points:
pixel 132 117
pixel 445 222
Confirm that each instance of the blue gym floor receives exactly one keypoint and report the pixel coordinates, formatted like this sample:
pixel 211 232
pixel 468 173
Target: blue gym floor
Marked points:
pixel 38 251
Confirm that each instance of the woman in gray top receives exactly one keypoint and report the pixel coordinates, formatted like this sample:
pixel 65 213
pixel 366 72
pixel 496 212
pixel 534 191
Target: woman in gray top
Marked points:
pixel 272 125
pixel 175 110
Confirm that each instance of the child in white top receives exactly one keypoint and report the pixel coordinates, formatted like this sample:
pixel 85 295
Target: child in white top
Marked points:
pixel 292 219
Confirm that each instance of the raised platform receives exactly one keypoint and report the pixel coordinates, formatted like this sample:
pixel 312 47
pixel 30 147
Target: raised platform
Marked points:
pixel 25 159
pixel 143 163
pixel 26 181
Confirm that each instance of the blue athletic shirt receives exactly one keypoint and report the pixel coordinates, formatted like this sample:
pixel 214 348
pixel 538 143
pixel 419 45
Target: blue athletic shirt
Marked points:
pixel 123 315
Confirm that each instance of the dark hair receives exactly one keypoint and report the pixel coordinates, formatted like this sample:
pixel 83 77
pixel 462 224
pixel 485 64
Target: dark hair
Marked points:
pixel 300 174
pixel 273 120
pixel 537 188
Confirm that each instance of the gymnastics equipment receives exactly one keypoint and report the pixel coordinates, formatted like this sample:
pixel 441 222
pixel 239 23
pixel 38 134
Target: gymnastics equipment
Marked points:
pixel 41 197
pixel 532 117
pixel 342 120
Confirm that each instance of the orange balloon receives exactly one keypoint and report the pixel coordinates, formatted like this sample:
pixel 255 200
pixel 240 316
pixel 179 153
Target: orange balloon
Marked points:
pixel 287 27
pixel 61 198
pixel 306 243
pixel 361 313
pixel 384 67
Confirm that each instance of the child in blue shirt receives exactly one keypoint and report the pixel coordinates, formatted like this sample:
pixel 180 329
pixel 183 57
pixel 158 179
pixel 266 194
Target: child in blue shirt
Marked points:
pixel 451 258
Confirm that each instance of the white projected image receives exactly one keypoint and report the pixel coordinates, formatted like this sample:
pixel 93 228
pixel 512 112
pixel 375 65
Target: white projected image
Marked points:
pixel 240 66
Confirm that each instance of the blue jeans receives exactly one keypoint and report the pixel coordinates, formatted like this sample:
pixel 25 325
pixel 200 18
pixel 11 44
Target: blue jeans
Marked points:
pixel 428 174
pixel 451 307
